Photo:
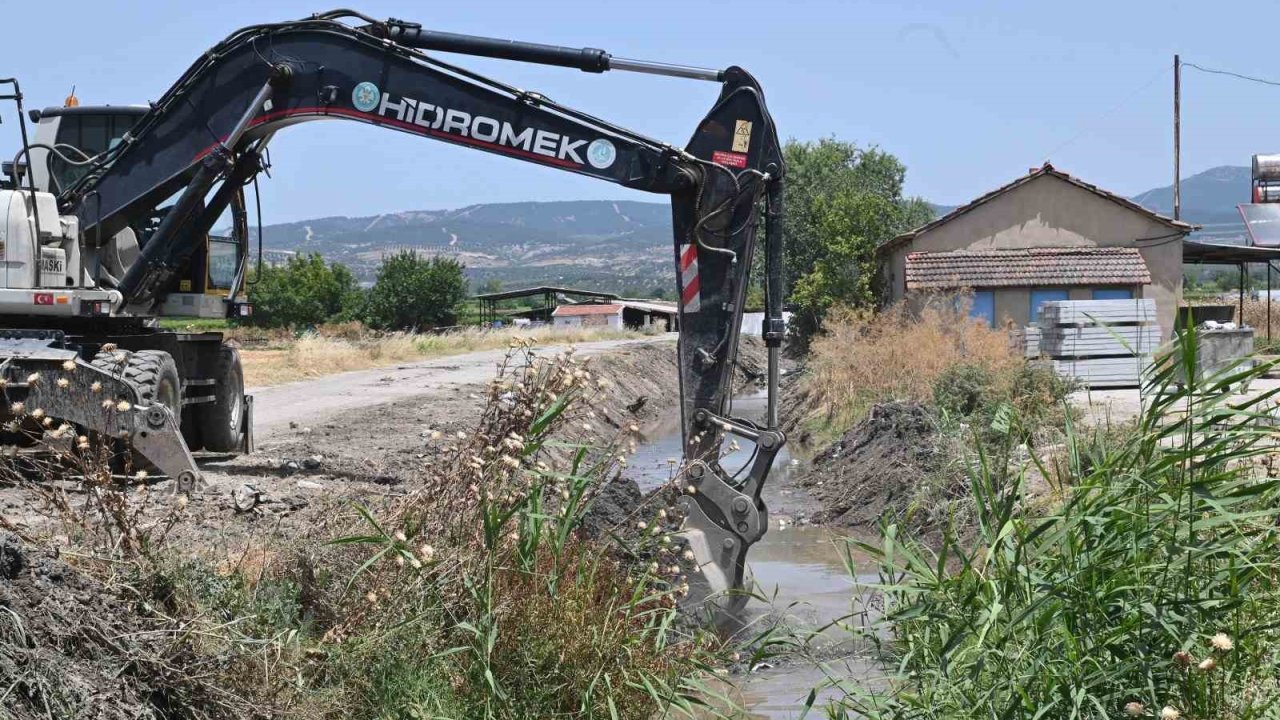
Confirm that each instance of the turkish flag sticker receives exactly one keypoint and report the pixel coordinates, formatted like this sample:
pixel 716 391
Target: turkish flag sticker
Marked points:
pixel 44 298
pixel 729 159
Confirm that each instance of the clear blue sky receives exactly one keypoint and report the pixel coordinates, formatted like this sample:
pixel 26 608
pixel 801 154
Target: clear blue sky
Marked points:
pixel 968 94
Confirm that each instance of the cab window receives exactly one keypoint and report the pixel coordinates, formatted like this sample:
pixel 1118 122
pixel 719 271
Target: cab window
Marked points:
pixel 224 256
pixel 89 133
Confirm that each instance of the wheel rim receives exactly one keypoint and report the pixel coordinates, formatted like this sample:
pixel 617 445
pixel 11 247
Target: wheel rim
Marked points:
pixel 234 420
pixel 167 395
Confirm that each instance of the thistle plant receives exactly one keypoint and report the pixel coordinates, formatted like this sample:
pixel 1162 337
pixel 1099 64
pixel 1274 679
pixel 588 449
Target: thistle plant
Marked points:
pixel 537 620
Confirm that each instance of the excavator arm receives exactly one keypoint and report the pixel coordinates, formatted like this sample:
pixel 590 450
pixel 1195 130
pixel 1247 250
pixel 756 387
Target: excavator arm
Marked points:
pixel 207 133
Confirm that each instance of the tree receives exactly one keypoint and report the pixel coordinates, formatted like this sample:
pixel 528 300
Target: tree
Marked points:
pixel 303 292
pixel 842 202
pixel 413 292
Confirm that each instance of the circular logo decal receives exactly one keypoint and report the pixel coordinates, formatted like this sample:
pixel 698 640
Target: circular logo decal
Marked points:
pixel 366 96
pixel 601 153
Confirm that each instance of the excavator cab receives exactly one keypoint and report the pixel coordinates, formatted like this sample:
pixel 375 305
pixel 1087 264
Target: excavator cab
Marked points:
pixel 81 132
pixel 211 282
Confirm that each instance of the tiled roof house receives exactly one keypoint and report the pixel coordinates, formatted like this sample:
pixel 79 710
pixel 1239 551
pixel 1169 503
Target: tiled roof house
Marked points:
pixel 1044 236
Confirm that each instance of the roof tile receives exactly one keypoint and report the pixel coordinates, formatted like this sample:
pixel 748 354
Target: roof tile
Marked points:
pixel 1029 267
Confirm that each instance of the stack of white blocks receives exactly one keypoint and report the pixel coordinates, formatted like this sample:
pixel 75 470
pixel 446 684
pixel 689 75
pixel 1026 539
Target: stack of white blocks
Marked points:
pixel 1100 343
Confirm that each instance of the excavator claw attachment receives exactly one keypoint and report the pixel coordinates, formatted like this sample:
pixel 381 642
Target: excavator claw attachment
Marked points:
pixel 715 240
pixel 39 375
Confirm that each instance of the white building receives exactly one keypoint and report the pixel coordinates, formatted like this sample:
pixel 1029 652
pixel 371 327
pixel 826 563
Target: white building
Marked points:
pixel 588 314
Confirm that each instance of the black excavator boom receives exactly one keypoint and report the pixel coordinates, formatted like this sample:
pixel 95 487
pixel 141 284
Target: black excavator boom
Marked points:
pixel 212 127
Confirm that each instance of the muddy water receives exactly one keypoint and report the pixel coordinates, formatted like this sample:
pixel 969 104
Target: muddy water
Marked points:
pixel 800 569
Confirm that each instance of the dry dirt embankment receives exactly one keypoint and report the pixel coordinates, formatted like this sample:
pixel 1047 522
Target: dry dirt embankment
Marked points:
pixel 366 437
pixel 84 644
pixel 68 644
pixel 878 468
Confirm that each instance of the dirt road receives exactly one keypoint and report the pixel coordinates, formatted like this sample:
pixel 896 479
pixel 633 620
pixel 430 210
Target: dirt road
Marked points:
pixel 310 401
pixel 364 437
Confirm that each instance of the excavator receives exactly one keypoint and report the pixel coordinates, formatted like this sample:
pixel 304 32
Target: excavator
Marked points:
pixel 106 219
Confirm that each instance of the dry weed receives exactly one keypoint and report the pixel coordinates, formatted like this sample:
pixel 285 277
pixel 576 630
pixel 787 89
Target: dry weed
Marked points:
pixel 864 357
pixel 1255 316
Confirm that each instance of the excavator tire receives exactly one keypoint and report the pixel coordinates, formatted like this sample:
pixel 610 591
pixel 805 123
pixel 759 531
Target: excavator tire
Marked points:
pixel 152 372
pixel 220 421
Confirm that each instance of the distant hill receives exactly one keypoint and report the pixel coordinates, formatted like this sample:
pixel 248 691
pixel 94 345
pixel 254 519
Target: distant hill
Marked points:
pixel 1209 198
pixel 620 245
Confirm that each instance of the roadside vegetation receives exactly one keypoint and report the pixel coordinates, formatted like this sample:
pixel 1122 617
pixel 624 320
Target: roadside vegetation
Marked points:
pixel 311 318
pixel 1147 590
pixel 934 354
pixel 411 293
pixel 890 404
pixel 473 596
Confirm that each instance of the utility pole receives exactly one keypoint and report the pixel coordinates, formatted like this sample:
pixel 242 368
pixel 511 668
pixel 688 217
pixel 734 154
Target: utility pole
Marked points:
pixel 1177 138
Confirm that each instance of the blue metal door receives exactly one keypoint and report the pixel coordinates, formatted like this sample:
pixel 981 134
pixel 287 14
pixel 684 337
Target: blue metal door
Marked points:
pixel 1044 295
pixel 984 307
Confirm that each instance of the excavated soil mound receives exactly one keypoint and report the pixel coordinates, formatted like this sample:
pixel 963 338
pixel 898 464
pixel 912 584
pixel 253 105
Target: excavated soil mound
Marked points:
pixel 613 508
pixel 877 467
pixel 71 648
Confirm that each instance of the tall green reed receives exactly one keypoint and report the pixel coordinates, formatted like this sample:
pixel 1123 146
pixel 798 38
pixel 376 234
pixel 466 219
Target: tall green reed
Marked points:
pixel 528 617
pixel 1107 604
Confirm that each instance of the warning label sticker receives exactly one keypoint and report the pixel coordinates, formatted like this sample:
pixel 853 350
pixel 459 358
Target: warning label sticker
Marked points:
pixel 729 159
pixel 742 136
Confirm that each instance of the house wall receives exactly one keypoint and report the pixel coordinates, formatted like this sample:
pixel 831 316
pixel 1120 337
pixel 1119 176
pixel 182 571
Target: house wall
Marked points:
pixel 1050 212
pixel 567 321
pixel 1014 304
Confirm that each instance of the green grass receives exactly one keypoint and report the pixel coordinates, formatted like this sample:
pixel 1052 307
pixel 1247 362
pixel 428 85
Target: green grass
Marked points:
pixel 1164 537
pixel 194 324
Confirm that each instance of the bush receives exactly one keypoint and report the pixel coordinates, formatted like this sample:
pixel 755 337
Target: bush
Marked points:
pixel 1038 397
pixel 412 293
pixel 976 394
pixel 303 293
pixel 962 389
pixel 1151 586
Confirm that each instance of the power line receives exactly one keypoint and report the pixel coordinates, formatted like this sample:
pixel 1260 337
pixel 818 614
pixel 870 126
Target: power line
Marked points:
pixel 1215 71
pixel 1124 101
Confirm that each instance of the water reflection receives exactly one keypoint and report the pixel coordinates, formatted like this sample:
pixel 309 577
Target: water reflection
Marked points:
pixel 656 460
pixel 800 569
